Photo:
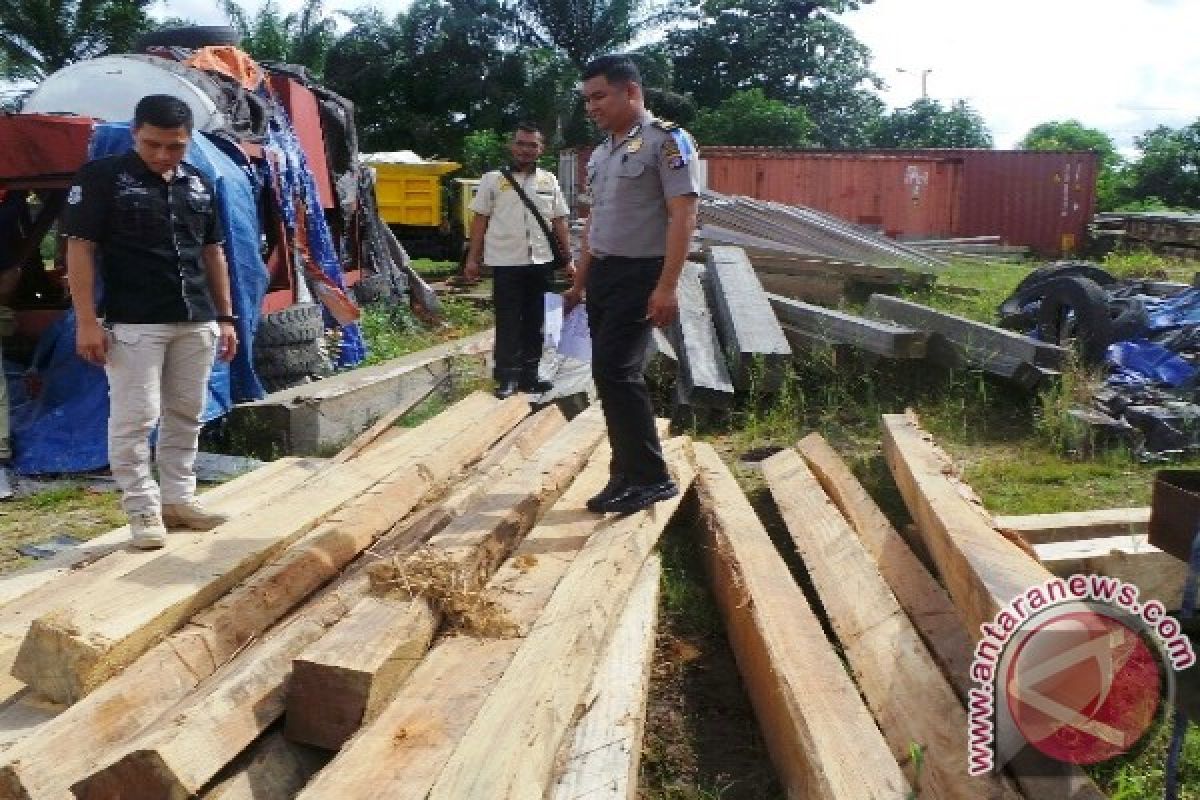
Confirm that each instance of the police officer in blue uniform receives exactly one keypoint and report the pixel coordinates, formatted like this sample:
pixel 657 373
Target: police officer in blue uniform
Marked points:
pixel 643 189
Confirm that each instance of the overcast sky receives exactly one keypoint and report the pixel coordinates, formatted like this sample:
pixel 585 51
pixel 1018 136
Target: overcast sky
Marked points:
pixel 1123 66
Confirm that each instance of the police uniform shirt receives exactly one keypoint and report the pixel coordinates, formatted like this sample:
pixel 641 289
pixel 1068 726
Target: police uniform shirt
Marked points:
pixel 150 234
pixel 514 236
pixel 630 178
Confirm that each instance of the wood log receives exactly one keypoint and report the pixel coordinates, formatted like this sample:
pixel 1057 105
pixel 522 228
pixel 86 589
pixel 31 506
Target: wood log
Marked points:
pixel 825 289
pixel 273 769
pixel 981 569
pixel 900 680
pixel 232 497
pixel 345 679
pixel 755 347
pixel 1130 558
pixel 401 753
pixel 43 592
pixel 603 755
pixel 922 597
pixel 71 746
pixel 881 338
pixel 179 755
pixel 703 375
pixel 822 741
pixel 1067 526
pixel 980 342
pixel 69 652
pixel 453 696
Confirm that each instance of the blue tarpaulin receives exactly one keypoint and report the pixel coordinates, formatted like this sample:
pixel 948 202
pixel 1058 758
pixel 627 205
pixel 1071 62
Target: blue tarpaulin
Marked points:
pixel 60 408
pixel 1140 362
pixel 296 180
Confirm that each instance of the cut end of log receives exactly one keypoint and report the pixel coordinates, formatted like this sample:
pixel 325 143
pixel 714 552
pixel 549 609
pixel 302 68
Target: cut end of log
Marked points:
pixel 140 775
pixel 57 662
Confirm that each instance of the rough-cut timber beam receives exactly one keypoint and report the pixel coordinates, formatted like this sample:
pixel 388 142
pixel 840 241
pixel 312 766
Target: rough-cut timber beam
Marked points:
pixel 903 687
pixel 703 375
pixel 69 652
pixel 981 343
pixel 84 736
pixel 924 600
pixel 882 338
pixel 982 570
pixel 413 742
pixel 602 756
pixel 345 679
pixel 821 738
pixel 755 346
pixel 1157 575
pixel 1067 526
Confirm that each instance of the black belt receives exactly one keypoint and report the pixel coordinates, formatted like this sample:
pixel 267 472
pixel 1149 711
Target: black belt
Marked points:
pixel 631 260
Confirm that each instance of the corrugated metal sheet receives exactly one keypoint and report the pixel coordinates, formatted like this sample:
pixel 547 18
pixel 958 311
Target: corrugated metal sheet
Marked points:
pixel 1038 199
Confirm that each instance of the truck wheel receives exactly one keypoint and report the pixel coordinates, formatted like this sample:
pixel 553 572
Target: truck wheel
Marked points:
pixel 1033 287
pixel 191 36
pixel 298 324
pixel 1075 313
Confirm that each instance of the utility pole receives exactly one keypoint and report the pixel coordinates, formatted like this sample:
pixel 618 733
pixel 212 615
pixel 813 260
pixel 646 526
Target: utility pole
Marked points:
pixel 924 79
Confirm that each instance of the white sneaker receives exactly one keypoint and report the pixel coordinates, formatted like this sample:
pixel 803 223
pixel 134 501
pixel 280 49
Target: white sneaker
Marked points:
pixel 192 516
pixel 146 529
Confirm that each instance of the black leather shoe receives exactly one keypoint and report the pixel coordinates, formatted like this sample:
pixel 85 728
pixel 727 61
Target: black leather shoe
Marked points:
pixel 506 388
pixel 536 386
pixel 616 484
pixel 635 498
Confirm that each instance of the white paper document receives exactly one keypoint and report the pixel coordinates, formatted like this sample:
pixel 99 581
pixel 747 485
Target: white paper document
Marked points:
pixel 552 327
pixel 576 339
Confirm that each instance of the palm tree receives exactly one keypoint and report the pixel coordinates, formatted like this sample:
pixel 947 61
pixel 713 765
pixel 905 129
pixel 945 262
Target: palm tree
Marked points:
pixel 584 29
pixel 304 37
pixel 38 37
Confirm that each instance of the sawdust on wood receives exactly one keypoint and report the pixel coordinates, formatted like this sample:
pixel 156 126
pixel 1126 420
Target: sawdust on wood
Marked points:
pixel 429 575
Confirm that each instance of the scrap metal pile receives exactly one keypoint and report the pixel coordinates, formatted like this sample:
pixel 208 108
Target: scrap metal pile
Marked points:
pixel 1144 335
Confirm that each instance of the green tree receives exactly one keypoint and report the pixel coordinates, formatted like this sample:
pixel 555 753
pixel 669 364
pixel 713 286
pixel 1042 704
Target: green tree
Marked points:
pixel 1111 182
pixel 583 31
pixel 927 124
pixel 38 37
pixel 1168 168
pixel 483 151
pixel 304 37
pixel 795 52
pixel 750 118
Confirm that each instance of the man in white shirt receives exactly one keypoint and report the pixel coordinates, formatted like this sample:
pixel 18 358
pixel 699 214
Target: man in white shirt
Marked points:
pixel 508 237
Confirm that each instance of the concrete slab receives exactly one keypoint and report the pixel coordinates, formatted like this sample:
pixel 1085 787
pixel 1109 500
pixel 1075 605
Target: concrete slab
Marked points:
pixel 320 417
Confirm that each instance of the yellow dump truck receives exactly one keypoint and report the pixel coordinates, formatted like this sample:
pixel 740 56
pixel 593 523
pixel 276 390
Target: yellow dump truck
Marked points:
pixel 412 200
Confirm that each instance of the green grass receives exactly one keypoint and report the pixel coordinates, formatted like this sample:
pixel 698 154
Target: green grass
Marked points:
pixel 394 332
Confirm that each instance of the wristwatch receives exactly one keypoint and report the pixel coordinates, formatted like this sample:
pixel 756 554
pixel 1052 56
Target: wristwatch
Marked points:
pixel 230 318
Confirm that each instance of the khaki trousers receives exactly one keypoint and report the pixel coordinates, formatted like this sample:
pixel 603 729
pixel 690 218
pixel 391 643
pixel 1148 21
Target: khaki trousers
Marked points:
pixel 157 374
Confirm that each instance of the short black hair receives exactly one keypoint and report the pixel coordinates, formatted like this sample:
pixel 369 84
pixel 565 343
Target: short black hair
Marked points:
pixel 616 68
pixel 163 111
pixel 530 127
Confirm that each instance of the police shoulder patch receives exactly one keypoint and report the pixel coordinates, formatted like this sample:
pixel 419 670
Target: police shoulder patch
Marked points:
pixel 665 124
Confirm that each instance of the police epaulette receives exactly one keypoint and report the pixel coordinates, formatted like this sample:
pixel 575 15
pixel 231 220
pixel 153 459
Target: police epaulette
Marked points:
pixel 666 125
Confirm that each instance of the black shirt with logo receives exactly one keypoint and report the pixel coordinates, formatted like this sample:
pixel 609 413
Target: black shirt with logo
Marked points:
pixel 150 234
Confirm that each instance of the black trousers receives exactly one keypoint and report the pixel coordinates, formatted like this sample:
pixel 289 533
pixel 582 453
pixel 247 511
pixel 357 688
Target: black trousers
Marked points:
pixel 618 290
pixel 518 298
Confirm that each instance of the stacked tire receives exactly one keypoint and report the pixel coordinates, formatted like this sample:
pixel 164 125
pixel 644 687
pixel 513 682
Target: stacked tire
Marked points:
pixel 289 347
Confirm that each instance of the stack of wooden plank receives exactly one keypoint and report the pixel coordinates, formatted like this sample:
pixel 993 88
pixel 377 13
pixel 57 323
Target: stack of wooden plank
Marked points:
pixel 410 603
pixel 980 249
pixel 894 673
pixel 725 339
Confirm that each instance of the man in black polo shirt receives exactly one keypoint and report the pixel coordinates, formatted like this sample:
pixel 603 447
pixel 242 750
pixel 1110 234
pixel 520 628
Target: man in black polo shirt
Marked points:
pixel 165 312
